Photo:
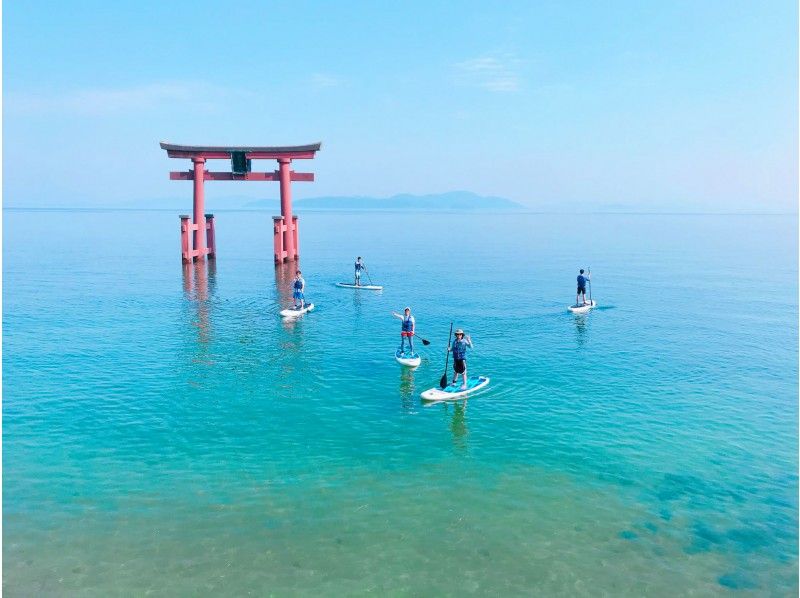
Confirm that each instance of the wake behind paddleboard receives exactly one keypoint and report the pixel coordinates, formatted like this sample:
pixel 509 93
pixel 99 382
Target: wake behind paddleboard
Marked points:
pixel 410 360
pixel 293 313
pixel 366 287
pixel 454 392
pixel 582 309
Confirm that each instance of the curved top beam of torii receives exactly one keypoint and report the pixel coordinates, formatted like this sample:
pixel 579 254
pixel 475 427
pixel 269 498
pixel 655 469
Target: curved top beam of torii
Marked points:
pixel 252 152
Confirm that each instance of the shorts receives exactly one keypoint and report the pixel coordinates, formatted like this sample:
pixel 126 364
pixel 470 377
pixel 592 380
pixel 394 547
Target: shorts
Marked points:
pixel 298 295
pixel 404 333
pixel 459 366
pixel 581 290
pixel 358 273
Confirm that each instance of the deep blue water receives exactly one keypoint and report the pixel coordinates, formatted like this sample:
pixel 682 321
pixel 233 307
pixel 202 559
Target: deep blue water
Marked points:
pixel 165 430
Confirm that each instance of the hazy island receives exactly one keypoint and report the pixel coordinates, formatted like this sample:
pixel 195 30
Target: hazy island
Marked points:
pixel 453 200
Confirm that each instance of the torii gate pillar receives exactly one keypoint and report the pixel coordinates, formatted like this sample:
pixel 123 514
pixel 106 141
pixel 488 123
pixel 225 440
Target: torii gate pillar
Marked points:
pixel 286 239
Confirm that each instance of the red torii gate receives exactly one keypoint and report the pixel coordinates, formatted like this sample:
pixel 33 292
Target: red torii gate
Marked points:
pixel 203 244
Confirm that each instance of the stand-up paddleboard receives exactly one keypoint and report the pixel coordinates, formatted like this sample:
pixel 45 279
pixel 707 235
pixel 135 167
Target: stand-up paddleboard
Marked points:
pixel 454 392
pixel 366 287
pixel 410 360
pixel 582 309
pixel 293 313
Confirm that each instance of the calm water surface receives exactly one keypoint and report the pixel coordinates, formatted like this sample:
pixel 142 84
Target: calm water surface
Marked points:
pixel 164 431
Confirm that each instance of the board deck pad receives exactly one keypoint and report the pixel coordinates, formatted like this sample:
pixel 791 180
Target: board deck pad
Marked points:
pixel 453 391
pixel 291 312
pixel 407 359
pixel 589 305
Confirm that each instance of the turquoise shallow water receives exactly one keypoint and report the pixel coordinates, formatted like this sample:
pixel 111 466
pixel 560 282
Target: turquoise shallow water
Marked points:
pixel 165 431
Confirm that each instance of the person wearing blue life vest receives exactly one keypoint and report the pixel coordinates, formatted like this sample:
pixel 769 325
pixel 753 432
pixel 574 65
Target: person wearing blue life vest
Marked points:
pixel 359 267
pixel 459 349
pixel 582 280
pixel 298 291
pixel 407 329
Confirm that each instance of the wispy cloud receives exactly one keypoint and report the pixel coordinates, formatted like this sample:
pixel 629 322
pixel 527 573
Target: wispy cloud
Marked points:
pixel 322 81
pixel 497 73
pixel 99 101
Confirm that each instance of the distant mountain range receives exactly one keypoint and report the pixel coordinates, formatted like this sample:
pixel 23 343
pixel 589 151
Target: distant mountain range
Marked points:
pixel 454 200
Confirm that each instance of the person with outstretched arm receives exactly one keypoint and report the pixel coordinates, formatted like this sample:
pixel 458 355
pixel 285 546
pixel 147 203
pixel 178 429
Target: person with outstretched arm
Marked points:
pixel 359 267
pixel 459 349
pixel 298 291
pixel 582 280
pixel 407 329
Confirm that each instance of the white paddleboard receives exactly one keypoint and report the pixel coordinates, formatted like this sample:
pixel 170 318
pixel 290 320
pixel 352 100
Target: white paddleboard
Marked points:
pixel 582 309
pixel 453 392
pixel 293 313
pixel 410 360
pixel 366 287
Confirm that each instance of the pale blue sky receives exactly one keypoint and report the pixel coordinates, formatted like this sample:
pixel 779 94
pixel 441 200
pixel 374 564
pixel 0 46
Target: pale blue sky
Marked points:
pixel 690 105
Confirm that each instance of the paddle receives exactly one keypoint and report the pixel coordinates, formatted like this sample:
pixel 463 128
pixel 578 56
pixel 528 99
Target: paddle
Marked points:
pixel 590 285
pixel 368 276
pixel 425 341
pixel 443 381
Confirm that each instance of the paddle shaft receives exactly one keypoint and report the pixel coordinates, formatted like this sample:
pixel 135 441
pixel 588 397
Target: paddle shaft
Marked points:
pixel 443 381
pixel 590 285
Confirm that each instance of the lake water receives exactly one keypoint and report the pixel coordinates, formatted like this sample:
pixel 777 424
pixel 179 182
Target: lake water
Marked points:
pixel 165 431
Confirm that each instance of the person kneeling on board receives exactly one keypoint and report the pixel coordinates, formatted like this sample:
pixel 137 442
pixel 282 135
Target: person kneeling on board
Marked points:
pixel 407 330
pixel 581 289
pixel 459 350
pixel 298 291
pixel 359 267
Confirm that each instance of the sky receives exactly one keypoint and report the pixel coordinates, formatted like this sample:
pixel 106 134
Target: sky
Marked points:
pixel 646 105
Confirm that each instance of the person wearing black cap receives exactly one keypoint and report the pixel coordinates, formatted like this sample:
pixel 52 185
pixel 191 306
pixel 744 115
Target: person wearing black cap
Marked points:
pixel 459 349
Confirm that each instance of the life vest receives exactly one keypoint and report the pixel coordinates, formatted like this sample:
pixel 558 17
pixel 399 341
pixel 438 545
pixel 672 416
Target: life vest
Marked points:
pixel 298 284
pixel 459 349
pixel 408 323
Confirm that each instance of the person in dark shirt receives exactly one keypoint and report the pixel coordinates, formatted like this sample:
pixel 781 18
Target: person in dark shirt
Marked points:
pixel 582 280
pixel 359 266
pixel 298 291
pixel 459 350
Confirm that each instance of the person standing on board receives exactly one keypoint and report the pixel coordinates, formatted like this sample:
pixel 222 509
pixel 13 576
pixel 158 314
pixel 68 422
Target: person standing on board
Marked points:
pixel 298 291
pixel 459 349
pixel 581 289
pixel 407 330
pixel 359 267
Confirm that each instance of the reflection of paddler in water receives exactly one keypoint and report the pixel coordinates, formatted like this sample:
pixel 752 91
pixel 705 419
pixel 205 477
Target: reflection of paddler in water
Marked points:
pixel 407 389
pixel 580 329
pixel 458 423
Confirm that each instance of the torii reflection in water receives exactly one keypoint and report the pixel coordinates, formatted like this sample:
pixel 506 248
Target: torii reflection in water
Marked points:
pixel 199 285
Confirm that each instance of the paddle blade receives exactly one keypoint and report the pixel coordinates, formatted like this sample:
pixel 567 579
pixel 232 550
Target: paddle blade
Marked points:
pixel 443 381
pixel 425 341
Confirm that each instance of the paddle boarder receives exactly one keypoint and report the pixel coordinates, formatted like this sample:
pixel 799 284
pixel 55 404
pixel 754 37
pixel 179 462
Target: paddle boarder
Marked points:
pixel 582 280
pixel 459 349
pixel 407 329
pixel 298 291
pixel 359 267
